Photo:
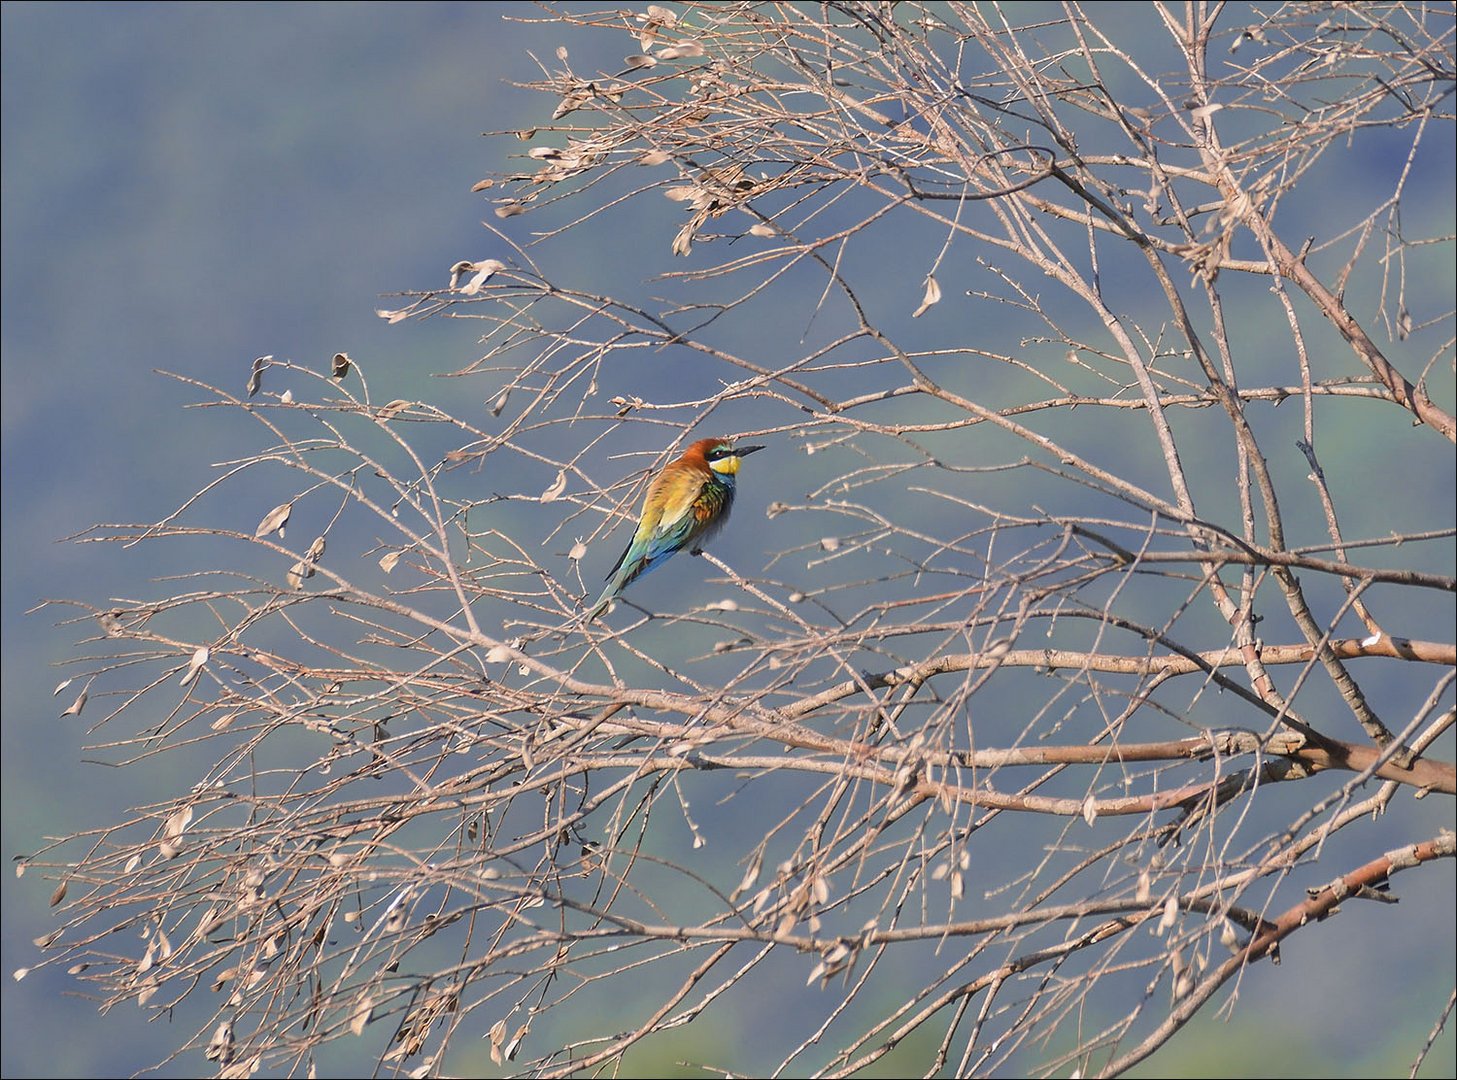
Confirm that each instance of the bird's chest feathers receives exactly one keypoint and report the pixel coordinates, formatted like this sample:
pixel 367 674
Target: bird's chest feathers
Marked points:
pixel 700 503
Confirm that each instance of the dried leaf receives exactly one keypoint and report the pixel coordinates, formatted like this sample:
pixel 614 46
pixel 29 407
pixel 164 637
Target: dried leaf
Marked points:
pixel 574 99
pixel 220 1047
pixel 274 520
pixel 510 209
pixel 74 709
pixel 60 893
pixel 255 378
pixel 655 157
pixel 1227 936
pixel 362 1016
pixel 388 560
pixel 1090 809
pixel 497 1037
pixel 199 658
pixel 932 296
pixel 683 242
pixel 558 486
pixel 515 1043
pixel 680 50
pixel 483 272
pixel 394 408
pixel 177 823
pixel 339 367
pixel 61 686
pixel 392 317
pixel 1170 915
pixel 751 873
pixel 639 60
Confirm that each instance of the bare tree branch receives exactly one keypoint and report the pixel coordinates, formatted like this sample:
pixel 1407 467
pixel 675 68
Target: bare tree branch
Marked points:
pixel 1046 654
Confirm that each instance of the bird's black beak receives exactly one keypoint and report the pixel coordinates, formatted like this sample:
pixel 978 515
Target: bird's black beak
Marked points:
pixel 745 451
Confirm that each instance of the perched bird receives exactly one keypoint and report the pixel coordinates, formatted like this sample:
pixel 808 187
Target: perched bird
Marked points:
pixel 685 505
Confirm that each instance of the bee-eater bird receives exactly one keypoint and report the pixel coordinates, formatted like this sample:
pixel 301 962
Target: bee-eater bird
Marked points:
pixel 685 505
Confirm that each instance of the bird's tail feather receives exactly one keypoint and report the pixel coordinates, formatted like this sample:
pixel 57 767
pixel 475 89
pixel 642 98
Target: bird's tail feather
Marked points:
pixel 603 603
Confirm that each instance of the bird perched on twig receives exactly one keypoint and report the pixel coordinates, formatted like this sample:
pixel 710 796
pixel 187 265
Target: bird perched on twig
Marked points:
pixel 685 505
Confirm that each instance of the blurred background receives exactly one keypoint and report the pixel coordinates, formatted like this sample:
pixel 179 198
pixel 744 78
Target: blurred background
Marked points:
pixel 189 186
